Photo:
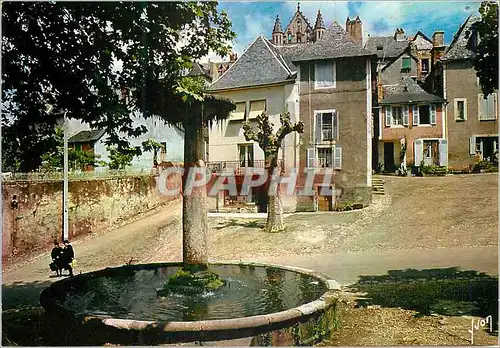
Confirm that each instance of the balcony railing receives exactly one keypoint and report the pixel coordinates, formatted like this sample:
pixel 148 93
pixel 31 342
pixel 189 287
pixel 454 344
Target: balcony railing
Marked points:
pixel 239 167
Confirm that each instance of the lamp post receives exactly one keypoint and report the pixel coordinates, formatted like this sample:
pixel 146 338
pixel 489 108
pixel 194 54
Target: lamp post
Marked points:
pixel 65 233
pixel 64 121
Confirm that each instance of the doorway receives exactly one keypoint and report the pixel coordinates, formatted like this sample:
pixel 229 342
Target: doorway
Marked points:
pixel 389 157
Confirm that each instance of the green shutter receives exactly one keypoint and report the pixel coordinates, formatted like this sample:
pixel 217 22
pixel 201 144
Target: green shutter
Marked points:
pixel 406 63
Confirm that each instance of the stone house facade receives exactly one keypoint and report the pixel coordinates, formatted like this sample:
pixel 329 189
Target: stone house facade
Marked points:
pixel 326 84
pixel 411 128
pixel 472 121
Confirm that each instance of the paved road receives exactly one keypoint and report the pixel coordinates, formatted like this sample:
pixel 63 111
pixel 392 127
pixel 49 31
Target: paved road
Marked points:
pixel 22 284
pixel 348 266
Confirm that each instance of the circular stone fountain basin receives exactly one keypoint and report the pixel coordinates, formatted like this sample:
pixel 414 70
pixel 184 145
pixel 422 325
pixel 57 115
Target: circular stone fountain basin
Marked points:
pixel 121 305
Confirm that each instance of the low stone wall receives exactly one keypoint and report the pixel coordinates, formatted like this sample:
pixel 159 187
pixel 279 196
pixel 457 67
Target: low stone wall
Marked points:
pixel 93 206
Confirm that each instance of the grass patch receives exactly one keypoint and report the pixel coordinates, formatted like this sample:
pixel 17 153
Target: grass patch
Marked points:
pixel 446 291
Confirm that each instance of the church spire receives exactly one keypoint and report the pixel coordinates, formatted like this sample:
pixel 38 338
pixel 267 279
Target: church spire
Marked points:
pixel 277 25
pixel 320 23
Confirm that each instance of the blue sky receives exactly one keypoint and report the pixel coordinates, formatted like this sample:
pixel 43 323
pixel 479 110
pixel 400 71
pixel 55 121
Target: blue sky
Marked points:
pixel 251 19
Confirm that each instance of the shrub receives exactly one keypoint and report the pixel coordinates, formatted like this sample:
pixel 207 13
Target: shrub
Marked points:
pixel 484 166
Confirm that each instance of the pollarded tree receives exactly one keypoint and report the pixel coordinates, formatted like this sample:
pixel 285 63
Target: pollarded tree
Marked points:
pixel 270 142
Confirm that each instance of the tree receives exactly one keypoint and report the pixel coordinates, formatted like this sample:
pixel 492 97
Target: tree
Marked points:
pixel 270 142
pixel 196 110
pixel 77 56
pixel 486 59
pixel 151 145
pixel 120 158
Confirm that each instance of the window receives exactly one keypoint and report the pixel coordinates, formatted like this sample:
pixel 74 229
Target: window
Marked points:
pixel 325 157
pixel 289 37
pixel 380 47
pixel 425 65
pixel 488 107
pixel 406 63
pixel 425 116
pixel 299 37
pixel 397 115
pixel 460 108
pixel 324 74
pixel 239 113
pixel 257 107
pixel 246 155
pixel 430 153
pixel 326 126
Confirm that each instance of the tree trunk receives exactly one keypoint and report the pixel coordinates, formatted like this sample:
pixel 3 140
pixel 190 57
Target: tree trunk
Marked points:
pixel 274 221
pixel 194 213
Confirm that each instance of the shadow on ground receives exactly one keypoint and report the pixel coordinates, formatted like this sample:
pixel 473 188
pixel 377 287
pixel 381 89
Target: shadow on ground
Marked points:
pixel 234 222
pixel 444 291
pixel 23 321
pixel 21 295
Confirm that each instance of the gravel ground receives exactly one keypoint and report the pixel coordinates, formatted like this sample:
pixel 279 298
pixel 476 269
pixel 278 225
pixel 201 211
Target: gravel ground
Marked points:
pixel 416 213
pixel 376 326
pixel 458 211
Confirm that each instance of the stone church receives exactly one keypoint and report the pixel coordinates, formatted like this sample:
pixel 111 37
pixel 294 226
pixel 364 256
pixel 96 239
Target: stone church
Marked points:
pixel 299 30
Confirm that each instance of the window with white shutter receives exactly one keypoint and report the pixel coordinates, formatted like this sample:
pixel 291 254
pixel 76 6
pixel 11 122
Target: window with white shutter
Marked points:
pixel 416 115
pixel 432 112
pixel 405 115
pixel 443 152
pixel 326 126
pixel 397 115
pixel 311 157
pixel 324 74
pixel 488 107
pixel 472 145
pixel 418 149
pixel 325 157
pixel 337 162
pixel 388 116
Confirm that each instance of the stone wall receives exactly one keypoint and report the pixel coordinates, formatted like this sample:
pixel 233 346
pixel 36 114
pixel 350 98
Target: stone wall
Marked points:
pixel 93 206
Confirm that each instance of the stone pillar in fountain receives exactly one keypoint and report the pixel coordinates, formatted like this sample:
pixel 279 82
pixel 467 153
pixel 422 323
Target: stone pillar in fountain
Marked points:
pixel 195 231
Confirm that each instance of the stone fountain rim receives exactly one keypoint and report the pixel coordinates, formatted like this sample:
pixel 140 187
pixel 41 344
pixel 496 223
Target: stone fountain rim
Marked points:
pixel 240 324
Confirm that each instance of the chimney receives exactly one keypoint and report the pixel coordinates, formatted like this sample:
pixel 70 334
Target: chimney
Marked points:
pixel 213 70
pixel 399 35
pixel 438 46
pixel 438 39
pixel 355 29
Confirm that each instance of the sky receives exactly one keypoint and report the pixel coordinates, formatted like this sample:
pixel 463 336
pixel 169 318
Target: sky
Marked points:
pixel 250 19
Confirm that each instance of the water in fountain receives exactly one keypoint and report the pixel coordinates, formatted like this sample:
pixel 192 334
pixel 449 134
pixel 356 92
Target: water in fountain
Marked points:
pixel 248 291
